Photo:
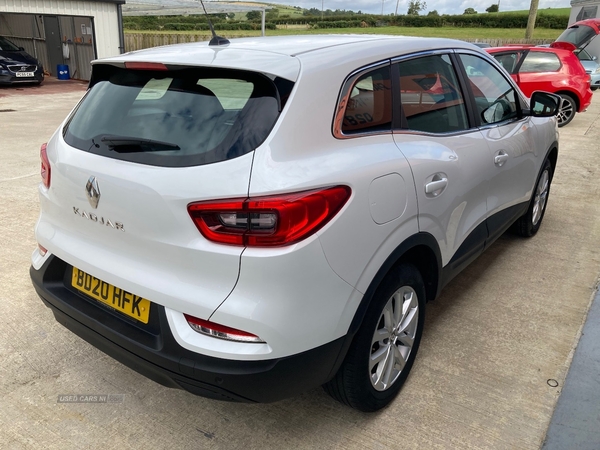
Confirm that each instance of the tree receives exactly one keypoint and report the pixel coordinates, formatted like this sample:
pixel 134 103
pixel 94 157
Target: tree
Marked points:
pixel 415 7
pixel 311 12
pixel 433 13
pixel 254 15
pixel 533 7
pixel 493 8
pixel 272 14
pixel 470 11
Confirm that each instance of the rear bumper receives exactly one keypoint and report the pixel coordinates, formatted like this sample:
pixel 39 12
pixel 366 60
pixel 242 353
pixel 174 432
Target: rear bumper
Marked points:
pixel 586 100
pixel 152 350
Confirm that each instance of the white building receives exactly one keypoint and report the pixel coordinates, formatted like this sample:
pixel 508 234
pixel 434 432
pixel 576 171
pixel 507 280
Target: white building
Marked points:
pixel 71 32
pixel 583 9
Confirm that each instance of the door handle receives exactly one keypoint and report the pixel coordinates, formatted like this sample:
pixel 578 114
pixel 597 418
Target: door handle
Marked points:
pixel 501 158
pixel 434 186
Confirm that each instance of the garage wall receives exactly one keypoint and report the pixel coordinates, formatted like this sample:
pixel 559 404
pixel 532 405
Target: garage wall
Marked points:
pixel 106 25
pixel 26 31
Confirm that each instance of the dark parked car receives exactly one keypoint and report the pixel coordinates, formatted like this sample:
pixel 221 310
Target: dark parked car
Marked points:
pixel 18 66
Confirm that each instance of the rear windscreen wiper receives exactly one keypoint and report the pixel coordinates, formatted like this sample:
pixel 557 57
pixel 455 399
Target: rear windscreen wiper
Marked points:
pixel 133 144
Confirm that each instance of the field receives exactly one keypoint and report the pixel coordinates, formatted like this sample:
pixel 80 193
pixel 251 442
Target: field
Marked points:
pixel 551 11
pixel 140 37
pixel 284 10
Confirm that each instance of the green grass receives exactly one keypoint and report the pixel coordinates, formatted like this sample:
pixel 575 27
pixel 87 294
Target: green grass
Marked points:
pixel 446 32
pixel 549 11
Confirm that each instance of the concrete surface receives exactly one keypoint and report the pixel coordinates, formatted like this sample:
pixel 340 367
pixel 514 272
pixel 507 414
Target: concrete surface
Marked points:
pixel 499 332
pixel 576 419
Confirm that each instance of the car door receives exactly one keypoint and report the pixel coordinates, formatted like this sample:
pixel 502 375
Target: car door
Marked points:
pixel 447 154
pixel 510 138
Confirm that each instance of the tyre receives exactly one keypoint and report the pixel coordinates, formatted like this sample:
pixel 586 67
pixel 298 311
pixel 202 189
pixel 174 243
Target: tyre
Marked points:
pixel 529 224
pixel 384 348
pixel 567 110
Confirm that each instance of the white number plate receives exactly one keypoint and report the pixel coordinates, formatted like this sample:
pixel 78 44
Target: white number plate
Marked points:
pixel 24 74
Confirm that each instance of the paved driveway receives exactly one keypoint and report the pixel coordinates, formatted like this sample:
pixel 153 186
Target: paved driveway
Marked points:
pixel 496 343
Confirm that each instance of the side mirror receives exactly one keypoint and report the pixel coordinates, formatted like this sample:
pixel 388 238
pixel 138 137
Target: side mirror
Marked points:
pixel 21 49
pixel 543 104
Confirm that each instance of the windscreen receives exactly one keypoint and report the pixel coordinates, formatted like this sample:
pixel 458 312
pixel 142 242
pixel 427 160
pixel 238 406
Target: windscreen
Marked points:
pixel 7 46
pixel 175 118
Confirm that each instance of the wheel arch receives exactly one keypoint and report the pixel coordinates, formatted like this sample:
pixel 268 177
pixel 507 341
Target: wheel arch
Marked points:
pixel 572 94
pixel 423 252
pixel 552 156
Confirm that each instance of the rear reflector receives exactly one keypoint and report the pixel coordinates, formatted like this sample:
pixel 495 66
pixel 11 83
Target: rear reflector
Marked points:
pixel 270 221
pixel 45 167
pixel 145 66
pixel 42 250
pixel 221 331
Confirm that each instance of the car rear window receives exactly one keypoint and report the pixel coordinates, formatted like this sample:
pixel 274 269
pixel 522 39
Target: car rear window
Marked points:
pixel 175 118
pixel 577 35
pixel 540 62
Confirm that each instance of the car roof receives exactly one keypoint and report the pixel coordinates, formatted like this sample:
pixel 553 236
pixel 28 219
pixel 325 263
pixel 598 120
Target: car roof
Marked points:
pixel 558 51
pixel 282 55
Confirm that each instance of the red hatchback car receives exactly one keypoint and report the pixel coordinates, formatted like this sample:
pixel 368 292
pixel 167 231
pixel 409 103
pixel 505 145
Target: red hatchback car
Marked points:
pixel 551 70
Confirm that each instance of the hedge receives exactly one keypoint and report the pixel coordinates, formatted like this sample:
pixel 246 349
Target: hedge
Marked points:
pixel 505 20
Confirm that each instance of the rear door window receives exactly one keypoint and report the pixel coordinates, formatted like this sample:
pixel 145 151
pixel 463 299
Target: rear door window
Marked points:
pixel 369 106
pixel 175 118
pixel 430 95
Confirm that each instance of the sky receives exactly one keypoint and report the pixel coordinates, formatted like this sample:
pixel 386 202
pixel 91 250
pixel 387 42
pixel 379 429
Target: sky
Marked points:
pixel 442 6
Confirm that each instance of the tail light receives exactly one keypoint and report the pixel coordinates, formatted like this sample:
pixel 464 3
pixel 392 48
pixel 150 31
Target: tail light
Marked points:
pixel 221 331
pixel 270 221
pixel 45 167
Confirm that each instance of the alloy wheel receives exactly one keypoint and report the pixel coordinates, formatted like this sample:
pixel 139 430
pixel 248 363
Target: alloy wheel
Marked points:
pixel 394 338
pixel 566 111
pixel 541 196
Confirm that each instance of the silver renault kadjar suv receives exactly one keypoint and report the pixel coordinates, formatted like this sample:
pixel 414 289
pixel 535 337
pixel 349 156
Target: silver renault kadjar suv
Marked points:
pixel 250 220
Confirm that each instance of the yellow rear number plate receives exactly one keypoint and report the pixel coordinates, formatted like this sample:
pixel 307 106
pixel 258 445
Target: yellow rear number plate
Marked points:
pixel 119 299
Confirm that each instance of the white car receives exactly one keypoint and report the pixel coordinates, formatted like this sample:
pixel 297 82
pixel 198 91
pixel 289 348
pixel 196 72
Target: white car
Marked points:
pixel 250 220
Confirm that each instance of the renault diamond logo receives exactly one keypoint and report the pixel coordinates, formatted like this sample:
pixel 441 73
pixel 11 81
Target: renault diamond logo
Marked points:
pixel 92 191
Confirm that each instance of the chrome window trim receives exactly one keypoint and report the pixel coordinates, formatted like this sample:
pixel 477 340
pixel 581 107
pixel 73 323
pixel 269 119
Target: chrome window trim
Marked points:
pixel 421 54
pixel 428 133
pixel 344 96
pixel 353 76
pixel 501 124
